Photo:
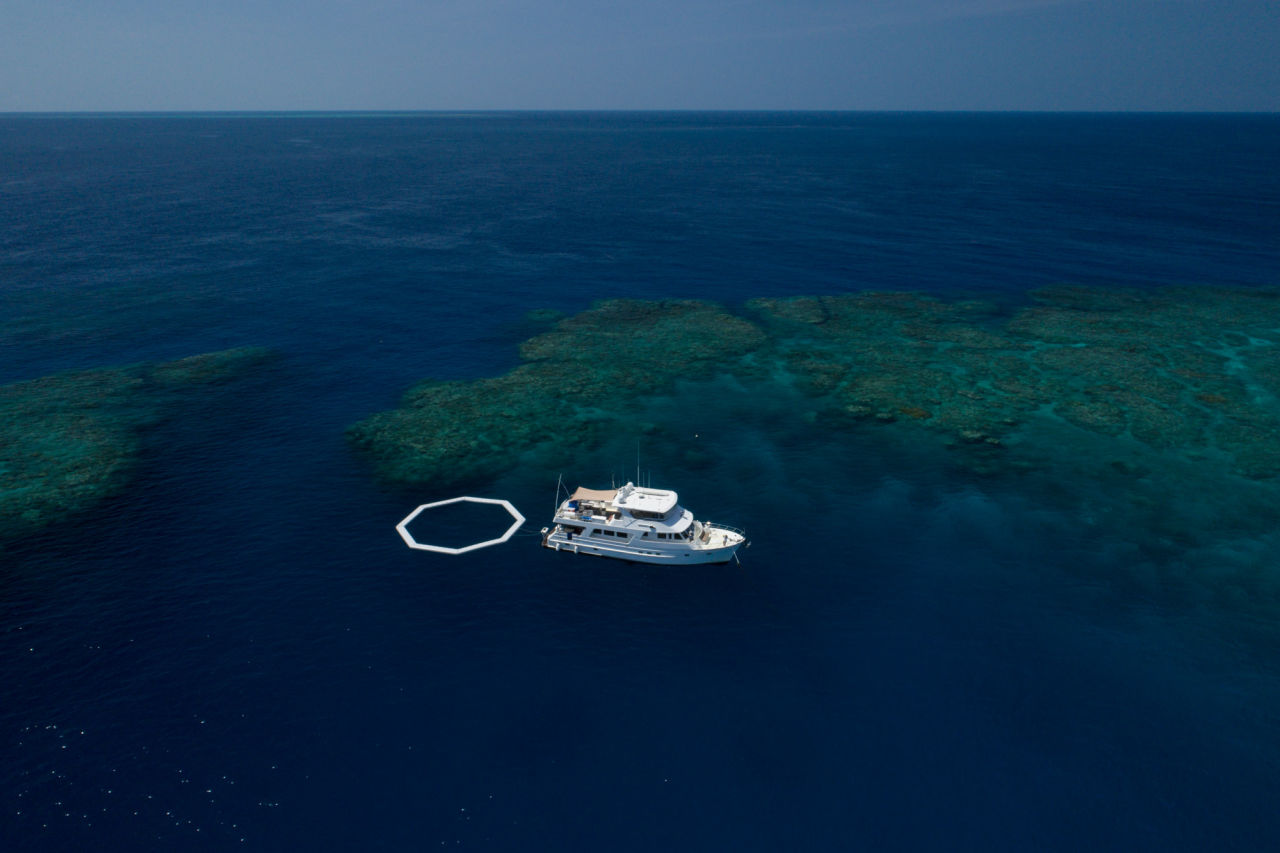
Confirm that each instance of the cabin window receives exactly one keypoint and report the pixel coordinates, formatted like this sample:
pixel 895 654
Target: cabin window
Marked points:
pixel 646 514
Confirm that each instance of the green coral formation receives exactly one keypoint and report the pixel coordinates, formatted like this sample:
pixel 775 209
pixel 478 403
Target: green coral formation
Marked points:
pixel 577 379
pixel 1146 422
pixel 1189 371
pixel 70 440
pixel 895 356
pixel 1193 370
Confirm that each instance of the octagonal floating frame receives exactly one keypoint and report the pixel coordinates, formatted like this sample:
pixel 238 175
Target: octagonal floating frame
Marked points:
pixel 403 527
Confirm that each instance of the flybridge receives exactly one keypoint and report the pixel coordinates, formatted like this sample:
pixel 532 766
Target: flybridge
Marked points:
pixel 641 500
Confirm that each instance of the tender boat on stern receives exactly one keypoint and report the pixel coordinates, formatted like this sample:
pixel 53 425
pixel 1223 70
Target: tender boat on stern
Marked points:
pixel 640 524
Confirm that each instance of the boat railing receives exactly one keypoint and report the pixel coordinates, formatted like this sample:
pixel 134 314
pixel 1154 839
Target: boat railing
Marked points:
pixel 718 526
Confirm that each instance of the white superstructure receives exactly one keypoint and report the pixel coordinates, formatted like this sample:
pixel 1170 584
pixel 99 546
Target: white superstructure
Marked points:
pixel 640 524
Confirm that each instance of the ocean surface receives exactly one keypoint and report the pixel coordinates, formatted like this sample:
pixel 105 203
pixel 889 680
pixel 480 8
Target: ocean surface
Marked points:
pixel 238 651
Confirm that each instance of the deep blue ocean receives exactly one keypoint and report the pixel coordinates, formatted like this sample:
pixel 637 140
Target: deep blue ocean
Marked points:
pixel 239 651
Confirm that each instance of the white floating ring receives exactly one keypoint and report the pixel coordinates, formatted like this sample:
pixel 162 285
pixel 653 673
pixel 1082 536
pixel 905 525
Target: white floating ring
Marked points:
pixel 403 527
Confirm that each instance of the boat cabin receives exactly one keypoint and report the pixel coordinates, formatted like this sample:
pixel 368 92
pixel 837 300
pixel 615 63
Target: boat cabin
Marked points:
pixel 627 512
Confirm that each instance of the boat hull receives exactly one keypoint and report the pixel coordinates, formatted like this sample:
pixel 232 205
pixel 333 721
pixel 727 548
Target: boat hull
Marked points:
pixel 557 541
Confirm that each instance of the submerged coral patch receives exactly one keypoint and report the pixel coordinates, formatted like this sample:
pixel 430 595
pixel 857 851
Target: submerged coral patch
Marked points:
pixel 1193 371
pixel 69 440
pixel 578 379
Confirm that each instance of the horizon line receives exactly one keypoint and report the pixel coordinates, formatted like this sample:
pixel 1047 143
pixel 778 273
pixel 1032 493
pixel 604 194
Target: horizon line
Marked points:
pixel 622 110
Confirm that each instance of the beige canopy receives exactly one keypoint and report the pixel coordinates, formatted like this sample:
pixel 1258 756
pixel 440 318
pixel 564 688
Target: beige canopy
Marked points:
pixel 581 494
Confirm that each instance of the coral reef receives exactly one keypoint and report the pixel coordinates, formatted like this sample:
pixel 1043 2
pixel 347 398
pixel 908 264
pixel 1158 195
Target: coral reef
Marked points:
pixel 1118 386
pixel 70 440
pixel 1191 370
pixel 578 379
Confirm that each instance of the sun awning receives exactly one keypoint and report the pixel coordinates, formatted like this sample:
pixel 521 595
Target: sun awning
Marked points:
pixel 581 494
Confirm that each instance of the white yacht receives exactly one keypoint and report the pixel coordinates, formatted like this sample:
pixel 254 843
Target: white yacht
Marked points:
pixel 643 525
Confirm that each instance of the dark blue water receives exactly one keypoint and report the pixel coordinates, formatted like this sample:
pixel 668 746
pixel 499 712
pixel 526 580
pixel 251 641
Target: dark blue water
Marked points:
pixel 240 652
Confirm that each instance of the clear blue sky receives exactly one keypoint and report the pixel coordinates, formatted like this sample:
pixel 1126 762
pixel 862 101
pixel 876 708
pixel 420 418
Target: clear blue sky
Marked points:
pixel 639 54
